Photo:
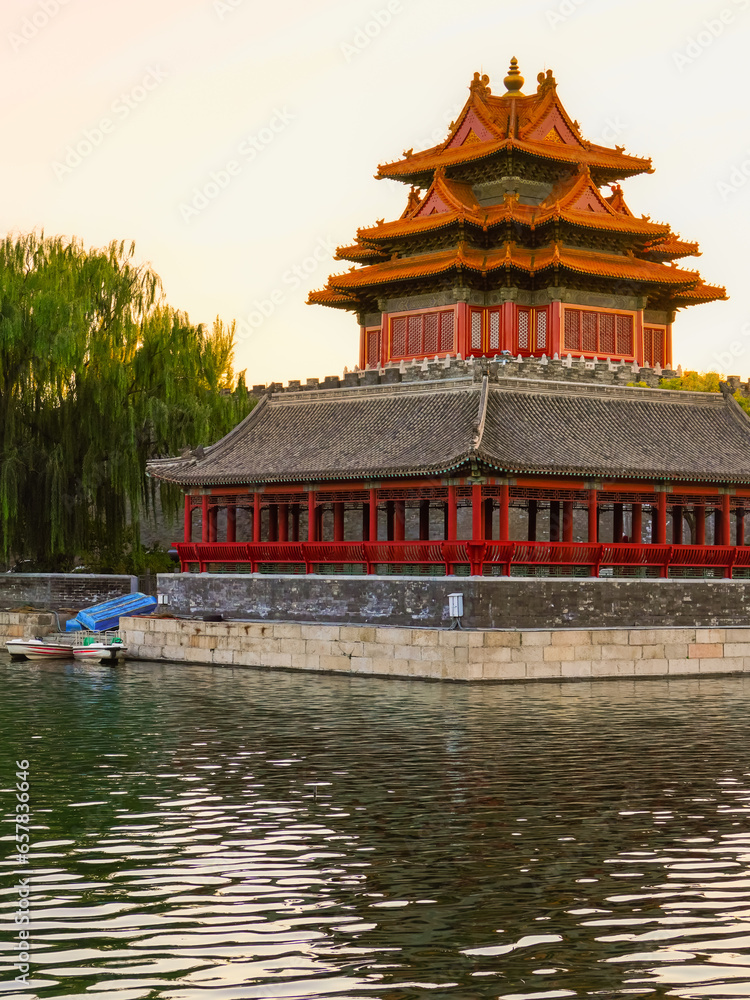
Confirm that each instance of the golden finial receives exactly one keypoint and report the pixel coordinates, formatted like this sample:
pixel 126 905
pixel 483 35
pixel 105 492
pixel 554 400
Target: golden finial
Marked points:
pixel 513 81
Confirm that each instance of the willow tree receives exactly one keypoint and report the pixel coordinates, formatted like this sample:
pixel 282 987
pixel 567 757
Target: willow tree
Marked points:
pixel 96 376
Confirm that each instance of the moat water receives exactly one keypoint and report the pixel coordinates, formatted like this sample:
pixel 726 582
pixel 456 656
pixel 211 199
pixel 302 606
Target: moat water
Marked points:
pixel 203 832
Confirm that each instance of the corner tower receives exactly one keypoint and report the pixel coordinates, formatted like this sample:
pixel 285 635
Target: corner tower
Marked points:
pixel 516 236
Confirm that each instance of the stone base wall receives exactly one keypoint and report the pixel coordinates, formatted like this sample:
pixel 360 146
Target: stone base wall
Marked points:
pixel 438 654
pixel 56 591
pixel 20 625
pixel 489 602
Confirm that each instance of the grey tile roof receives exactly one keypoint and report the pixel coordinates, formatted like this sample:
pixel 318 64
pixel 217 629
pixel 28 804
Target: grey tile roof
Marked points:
pixel 512 425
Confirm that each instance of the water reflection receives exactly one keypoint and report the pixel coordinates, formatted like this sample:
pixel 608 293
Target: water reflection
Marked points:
pixel 248 834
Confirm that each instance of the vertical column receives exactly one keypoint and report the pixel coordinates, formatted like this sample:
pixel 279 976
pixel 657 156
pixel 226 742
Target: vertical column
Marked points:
pixel 504 513
pixel 232 523
pixel 463 334
pixel 362 348
pixel 312 532
pixel 617 523
pixel 283 522
pixel 187 527
pixel 726 519
pixel 554 521
pixel 256 517
pixel 567 521
pixel 739 516
pixel 385 340
pixel 476 512
pixel 593 516
pixel 638 338
pixel 204 518
pixel 637 515
pixel 668 346
pixel 700 524
pixel 556 339
pixel 373 515
pixel 424 520
pixel 532 507
pixel 452 514
pixel 660 522
pixel 399 520
pixel 678 513
pixel 338 521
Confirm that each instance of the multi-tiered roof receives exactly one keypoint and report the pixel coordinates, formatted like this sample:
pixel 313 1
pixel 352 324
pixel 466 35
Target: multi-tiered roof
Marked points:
pixel 514 197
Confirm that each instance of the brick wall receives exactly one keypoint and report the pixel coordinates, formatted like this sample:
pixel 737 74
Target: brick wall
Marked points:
pixel 17 625
pixel 56 591
pixel 439 654
pixel 488 602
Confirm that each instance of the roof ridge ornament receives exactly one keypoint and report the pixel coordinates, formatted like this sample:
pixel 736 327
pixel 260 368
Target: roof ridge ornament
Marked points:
pixel 480 85
pixel 546 82
pixel 513 81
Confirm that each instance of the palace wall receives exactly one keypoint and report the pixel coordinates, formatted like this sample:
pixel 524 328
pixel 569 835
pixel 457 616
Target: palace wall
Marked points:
pixel 438 654
pixel 58 591
pixel 489 602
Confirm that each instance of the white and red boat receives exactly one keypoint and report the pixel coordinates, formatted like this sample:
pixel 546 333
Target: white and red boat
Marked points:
pixel 102 651
pixel 39 649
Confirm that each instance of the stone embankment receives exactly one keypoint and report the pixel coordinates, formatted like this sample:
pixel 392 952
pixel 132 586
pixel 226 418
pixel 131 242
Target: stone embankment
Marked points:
pixel 25 624
pixel 437 654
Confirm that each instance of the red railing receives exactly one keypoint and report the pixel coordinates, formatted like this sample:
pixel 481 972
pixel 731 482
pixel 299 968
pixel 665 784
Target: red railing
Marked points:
pixel 476 555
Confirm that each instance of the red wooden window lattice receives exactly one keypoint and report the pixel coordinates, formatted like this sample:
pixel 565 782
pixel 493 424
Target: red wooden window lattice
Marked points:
pixel 601 333
pixel 373 348
pixel 422 334
pixel 653 346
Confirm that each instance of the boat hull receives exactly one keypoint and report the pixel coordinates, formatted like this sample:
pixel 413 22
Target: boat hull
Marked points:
pixel 35 649
pixel 100 651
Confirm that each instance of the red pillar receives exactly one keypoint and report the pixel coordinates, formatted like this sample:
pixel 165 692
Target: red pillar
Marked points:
pixel 567 527
pixel 476 512
pixel 463 334
pixel 204 518
pixel 637 532
pixel 452 514
pixel 700 524
pixel 231 524
pixel 399 520
pixel 556 340
pixel 311 517
pixel 373 515
pixel 638 337
pixel 726 519
pixel 338 521
pixel 661 519
pixel 504 513
pixel 256 517
pixel 187 528
pixel 593 517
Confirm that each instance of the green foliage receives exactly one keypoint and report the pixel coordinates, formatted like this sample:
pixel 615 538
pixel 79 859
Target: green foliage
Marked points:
pixel 743 401
pixel 694 382
pixel 97 375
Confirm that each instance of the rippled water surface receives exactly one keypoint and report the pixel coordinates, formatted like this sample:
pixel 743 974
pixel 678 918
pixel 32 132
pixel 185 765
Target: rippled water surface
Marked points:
pixel 202 832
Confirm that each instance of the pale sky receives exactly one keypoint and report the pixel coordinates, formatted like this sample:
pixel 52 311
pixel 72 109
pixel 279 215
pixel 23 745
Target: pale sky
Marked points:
pixel 116 115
